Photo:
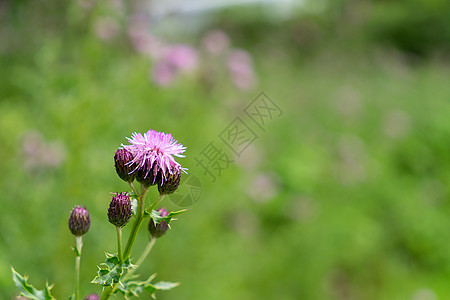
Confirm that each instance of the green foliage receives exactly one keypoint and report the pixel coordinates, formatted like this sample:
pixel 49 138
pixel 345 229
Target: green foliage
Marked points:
pixel 418 27
pixel 358 164
pixel 412 26
pixel 111 271
pixel 29 291
pixel 134 203
pixel 158 219
pixel 134 288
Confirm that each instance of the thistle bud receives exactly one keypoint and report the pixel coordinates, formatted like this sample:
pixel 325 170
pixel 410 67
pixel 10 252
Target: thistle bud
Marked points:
pixel 171 183
pixel 79 221
pixel 124 166
pixel 92 297
pixel 149 176
pixel 119 211
pixel 158 230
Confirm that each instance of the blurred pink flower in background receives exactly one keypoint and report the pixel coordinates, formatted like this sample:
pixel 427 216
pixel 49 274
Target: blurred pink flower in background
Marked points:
pixel 141 39
pixel 245 223
pixel 216 42
pixel 176 59
pixel 182 57
pixel 40 154
pixel 263 187
pixel 163 74
pixel 303 208
pixel 251 158
pixel 240 65
pixel 396 124
pixel 172 60
pixel 348 102
pixel 106 28
pixel 351 163
pixel 86 4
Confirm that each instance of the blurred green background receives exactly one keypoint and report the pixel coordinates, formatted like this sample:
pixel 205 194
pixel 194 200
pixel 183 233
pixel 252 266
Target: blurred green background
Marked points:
pixel 343 196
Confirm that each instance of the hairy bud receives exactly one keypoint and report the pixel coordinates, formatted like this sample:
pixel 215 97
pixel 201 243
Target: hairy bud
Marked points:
pixel 124 166
pixel 148 177
pixel 171 183
pixel 119 211
pixel 79 221
pixel 92 297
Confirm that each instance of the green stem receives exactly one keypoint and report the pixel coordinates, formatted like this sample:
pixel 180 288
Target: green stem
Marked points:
pixel 119 243
pixel 146 251
pixel 154 205
pixel 133 187
pixel 136 225
pixel 133 234
pixel 143 256
pixel 137 222
pixel 106 293
pixel 79 246
pixel 141 259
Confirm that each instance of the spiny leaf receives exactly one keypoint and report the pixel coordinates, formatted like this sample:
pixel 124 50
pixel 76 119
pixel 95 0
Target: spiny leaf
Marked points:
pixel 134 288
pixel 29 291
pixel 165 285
pixel 111 270
pixel 158 219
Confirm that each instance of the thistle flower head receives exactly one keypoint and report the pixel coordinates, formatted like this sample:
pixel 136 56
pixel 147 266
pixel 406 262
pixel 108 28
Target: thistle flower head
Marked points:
pixel 153 155
pixel 119 211
pixel 158 230
pixel 79 221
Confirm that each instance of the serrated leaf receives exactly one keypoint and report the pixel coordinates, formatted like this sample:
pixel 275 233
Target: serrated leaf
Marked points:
pixel 134 288
pixel 158 219
pixel 165 285
pixel 111 270
pixel 29 291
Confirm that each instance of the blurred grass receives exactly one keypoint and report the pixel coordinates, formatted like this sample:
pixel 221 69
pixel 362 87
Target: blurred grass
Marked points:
pixel 358 162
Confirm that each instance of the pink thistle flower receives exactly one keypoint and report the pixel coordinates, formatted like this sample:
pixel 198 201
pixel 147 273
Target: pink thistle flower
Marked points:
pixel 176 60
pixel 240 65
pixel 164 74
pixel 141 37
pixel 182 57
pixel 153 154
pixel 216 42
